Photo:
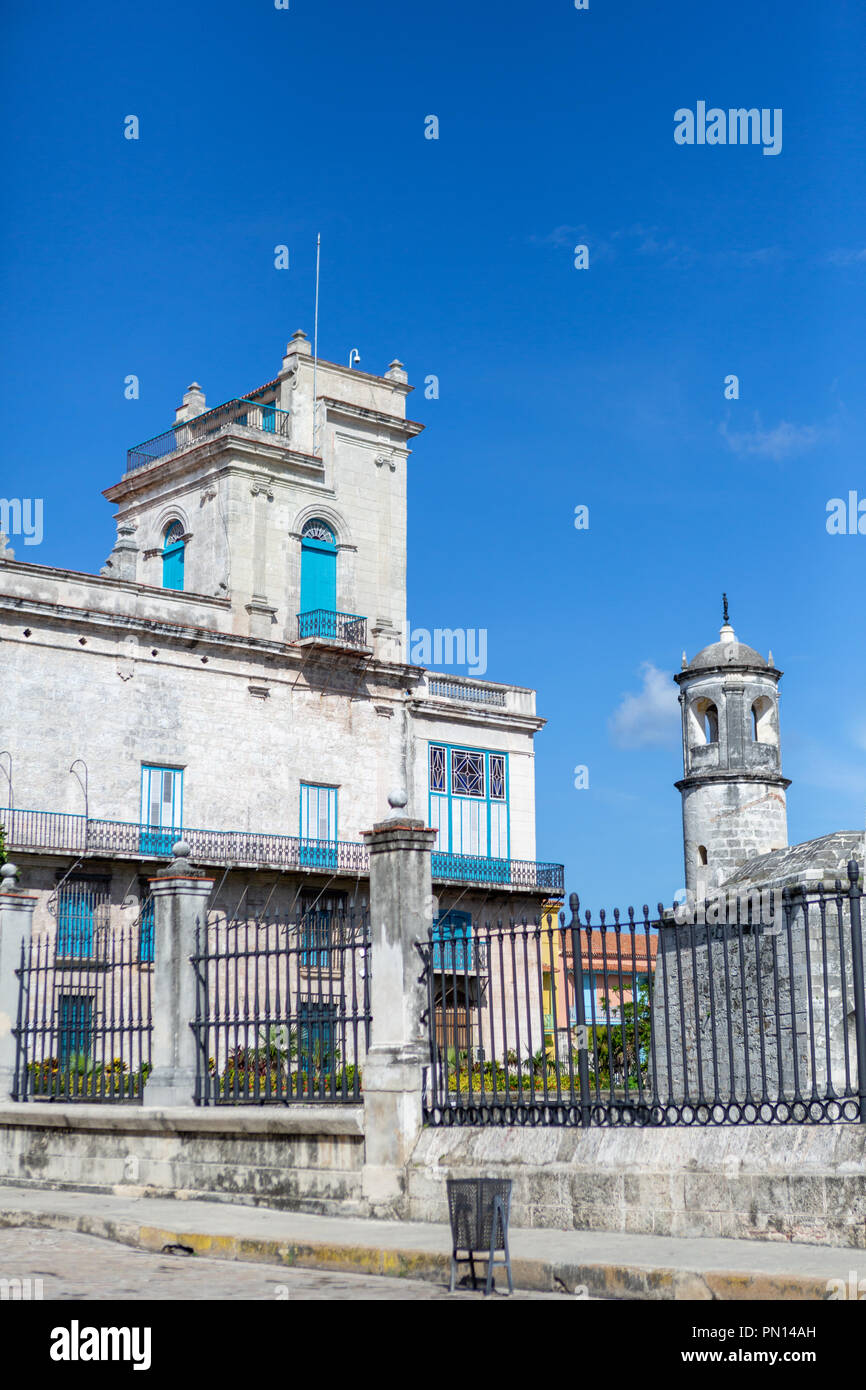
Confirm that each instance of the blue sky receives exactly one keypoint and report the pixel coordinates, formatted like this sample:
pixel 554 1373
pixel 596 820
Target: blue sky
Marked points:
pixel 557 386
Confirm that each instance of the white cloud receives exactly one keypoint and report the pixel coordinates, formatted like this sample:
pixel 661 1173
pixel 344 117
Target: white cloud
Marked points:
pixel 650 716
pixel 782 442
pixel 847 257
pixel 564 235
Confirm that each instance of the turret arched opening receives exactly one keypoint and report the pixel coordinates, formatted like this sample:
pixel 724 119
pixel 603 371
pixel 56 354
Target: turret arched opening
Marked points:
pixel 764 727
pixel 703 723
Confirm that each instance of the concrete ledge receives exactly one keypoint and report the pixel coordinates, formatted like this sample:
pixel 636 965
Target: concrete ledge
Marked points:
pixel 572 1263
pixel 222 1119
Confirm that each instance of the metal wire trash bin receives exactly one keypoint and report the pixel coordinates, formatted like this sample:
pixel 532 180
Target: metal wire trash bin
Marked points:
pixel 479 1209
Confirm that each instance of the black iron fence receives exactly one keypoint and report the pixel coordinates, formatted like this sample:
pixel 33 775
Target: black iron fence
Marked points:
pixel 84 1023
pixel 741 1009
pixel 283 1009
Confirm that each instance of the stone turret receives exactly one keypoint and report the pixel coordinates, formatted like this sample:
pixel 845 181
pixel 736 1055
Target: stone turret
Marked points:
pixel 733 791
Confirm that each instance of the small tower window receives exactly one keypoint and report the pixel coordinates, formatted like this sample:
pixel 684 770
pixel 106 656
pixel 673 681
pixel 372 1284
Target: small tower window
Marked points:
pixel 702 856
pixel 764 728
pixel 173 548
pixel 702 723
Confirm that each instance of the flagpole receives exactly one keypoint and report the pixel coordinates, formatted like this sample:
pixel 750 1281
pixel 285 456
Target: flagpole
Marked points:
pixel 316 348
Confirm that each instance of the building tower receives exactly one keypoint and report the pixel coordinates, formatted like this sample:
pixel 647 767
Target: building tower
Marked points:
pixel 733 790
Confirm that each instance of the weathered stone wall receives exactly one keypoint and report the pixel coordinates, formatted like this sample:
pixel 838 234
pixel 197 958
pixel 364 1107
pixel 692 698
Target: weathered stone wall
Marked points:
pixel 302 1159
pixel 735 821
pixel 753 1181
pixel 246 728
pixel 764 1182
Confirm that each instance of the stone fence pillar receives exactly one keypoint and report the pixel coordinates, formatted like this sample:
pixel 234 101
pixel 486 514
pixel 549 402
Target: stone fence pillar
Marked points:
pixel 16 921
pixel 180 902
pixel 401 897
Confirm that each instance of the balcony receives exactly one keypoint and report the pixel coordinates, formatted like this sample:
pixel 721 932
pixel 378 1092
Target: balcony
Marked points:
pixel 322 627
pixel 239 414
pixel 56 832
pixel 447 689
pixel 507 873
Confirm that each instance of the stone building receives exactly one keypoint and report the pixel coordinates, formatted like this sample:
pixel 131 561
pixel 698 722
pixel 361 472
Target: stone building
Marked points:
pixel 236 675
pixel 754 979
pixel 733 791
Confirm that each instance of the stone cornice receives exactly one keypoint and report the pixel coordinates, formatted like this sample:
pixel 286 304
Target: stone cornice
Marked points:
pixel 105 582
pixel 718 776
pixel 491 717
pixel 712 673
pixel 409 428
pixel 259 454
pixel 289 655
pixel 354 374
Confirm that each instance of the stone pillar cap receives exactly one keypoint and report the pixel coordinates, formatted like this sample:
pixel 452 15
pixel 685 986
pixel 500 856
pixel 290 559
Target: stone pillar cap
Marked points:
pixel 180 866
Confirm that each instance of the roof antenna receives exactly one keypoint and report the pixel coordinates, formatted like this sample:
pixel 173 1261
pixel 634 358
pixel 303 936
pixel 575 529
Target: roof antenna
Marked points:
pixel 316 348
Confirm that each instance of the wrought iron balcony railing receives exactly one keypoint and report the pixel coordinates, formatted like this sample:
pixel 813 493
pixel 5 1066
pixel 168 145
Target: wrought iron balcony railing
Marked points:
pixel 345 628
pixel 511 873
pixel 59 832
pixel 239 413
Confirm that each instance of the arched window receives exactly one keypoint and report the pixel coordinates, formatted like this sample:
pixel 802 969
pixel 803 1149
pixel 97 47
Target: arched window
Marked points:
pixel 173 547
pixel 703 723
pixel 763 721
pixel 318 568
pixel 702 856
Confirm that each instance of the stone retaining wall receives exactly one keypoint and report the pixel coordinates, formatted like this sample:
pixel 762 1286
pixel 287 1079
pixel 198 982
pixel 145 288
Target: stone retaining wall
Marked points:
pixel 302 1159
pixel 803 1183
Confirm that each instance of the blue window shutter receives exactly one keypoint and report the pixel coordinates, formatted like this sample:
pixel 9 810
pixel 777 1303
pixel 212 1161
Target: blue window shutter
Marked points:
pixel 318 829
pixel 172 566
pixel 76 1023
pixel 146 931
pixel 453 927
pixel 161 808
pixel 75 921
pixel 318 577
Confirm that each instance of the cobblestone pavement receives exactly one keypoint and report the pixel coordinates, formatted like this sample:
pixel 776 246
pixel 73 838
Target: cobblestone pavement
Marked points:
pixel 75 1267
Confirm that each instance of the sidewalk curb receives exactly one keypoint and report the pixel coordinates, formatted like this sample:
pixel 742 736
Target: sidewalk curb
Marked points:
pixel 599 1280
